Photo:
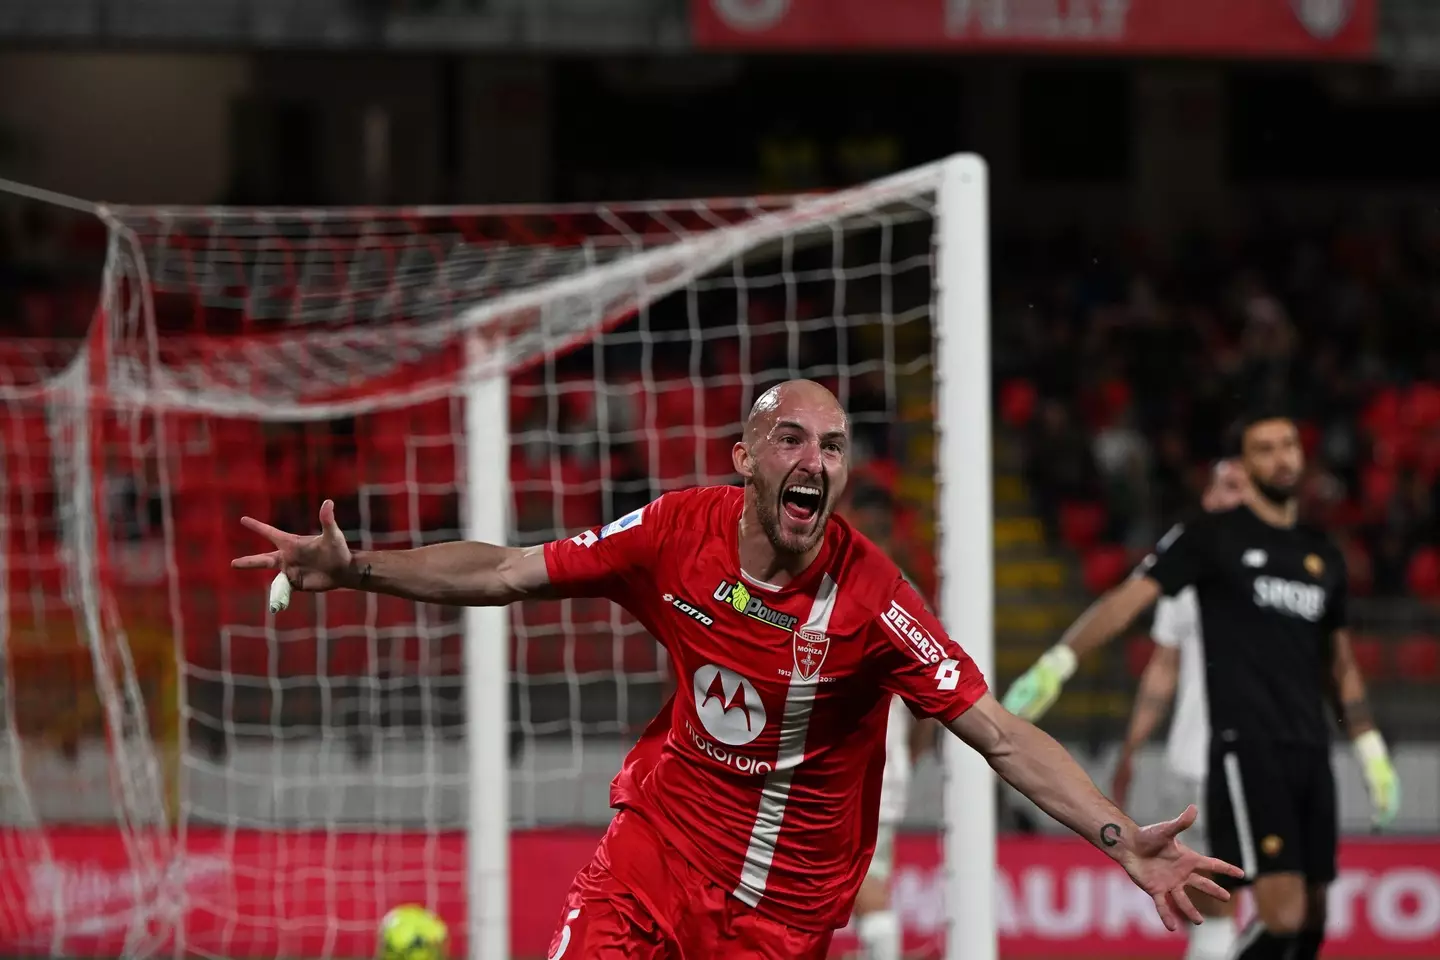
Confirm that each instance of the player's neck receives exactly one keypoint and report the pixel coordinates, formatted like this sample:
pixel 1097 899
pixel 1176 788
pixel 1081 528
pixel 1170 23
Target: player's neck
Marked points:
pixel 1275 514
pixel 760 561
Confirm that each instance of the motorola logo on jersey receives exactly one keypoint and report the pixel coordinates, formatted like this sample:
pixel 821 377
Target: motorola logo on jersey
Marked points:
pixel 738 596
pixel 1303 600
pixel 730 758
pixel 729 708
pixel 689 609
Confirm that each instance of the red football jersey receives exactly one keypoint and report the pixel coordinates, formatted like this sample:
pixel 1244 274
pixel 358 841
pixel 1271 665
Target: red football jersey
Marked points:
pixel 764 768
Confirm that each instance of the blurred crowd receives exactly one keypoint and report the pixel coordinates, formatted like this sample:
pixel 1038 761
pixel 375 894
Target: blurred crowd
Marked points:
pixel 1122 365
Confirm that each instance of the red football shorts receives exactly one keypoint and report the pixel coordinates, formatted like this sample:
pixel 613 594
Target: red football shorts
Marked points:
pixel 663 909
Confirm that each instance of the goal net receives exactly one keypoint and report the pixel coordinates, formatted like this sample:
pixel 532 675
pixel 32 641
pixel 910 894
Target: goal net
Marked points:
pixel 182 771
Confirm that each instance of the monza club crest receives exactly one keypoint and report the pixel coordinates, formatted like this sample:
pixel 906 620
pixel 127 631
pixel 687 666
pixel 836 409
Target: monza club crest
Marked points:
pixel 810 649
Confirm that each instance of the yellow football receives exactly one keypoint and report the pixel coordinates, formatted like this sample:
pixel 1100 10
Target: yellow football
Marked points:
pixel 411 932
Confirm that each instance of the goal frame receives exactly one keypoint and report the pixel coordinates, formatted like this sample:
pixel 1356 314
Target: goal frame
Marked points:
pixel 961 331
pixel 961 358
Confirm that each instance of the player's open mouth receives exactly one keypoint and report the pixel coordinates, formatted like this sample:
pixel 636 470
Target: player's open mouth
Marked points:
pixel 801 501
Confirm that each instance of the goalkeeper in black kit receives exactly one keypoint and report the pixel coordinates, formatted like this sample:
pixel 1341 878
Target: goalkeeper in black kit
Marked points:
pixel 1272 599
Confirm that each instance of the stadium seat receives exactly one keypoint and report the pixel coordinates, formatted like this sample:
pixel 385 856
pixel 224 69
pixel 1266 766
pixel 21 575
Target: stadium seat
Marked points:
pixel 1423 576
pixel 1377 487
pixel 1359 567
pixel 1104 567
pixel 1422 406
pixel 1137 654
pixel 1427 456
pixel 1081 524
pixel 1418 658
pixel 1383 411
pixel 1369 655
pixel 1018 399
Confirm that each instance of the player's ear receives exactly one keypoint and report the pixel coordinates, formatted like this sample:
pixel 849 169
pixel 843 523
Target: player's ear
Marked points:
pixel 744 465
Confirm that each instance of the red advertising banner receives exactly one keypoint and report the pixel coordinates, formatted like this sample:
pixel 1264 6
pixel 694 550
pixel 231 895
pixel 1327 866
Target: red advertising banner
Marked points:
pixel 256 894
pixel 1241 28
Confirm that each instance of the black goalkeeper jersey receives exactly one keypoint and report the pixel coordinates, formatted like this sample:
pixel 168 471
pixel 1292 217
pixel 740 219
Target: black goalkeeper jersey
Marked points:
pixel 1270 600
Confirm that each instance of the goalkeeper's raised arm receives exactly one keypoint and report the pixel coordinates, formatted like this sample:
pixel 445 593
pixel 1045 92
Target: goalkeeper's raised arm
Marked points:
pixel 462 573
pixel 1037 689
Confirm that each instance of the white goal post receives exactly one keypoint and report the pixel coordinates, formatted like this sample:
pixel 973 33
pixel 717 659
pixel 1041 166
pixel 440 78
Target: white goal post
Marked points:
pixel 246 359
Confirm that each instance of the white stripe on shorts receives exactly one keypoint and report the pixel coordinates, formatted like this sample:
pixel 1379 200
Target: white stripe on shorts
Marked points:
pixel 1236 788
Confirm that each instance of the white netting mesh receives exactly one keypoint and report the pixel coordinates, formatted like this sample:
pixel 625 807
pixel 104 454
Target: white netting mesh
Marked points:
pixel 280 782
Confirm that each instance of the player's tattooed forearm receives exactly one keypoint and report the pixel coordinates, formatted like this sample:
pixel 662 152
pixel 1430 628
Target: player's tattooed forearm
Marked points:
pixel 1358 717
pixel 365 575
pixel 1110 834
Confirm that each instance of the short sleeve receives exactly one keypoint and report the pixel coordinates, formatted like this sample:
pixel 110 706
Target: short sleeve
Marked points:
pixel 1178 560
pixel 605 561
pixel 1337 604
pixel 919 662
pixel 1174 620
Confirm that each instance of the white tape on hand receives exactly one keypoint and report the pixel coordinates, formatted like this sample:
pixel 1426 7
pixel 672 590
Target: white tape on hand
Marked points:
pixel 279 593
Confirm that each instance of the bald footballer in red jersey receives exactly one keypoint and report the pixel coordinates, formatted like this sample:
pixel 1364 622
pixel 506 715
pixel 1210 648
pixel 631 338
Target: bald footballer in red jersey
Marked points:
pixel 748 809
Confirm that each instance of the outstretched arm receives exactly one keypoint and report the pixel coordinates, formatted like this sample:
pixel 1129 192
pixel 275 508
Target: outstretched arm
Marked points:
pixel 1179 559
pixel 1032 762
pixel 463 573
pixel 1112 613
pixel 1038 688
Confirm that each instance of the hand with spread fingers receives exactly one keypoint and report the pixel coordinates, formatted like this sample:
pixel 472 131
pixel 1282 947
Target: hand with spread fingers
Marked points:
pixel 315 563
pixel 1164 867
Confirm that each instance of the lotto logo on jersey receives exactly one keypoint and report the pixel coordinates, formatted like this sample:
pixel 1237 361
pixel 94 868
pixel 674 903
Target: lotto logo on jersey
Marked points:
pixel 689 609
pixel 739 597
pixel 925 647
pixel 1303 600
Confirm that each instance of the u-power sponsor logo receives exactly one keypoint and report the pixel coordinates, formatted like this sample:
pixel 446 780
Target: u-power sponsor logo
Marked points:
pixel 739 597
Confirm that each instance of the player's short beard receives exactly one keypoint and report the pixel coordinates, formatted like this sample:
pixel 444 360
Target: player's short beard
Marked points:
pixel 767 511
pixel 1279 496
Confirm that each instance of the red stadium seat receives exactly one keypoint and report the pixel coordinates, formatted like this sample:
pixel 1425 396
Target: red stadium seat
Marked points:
pixel 1369 655
pixel 1137 654
pixel 1418 658
pixel 1422 406
pixel 1377 486
pixel 1104 567
pixel 1359 567
pixel 1427 456
pixel 1424 573
pixel 1383 411
pixel 1018 399
pixel 1081 524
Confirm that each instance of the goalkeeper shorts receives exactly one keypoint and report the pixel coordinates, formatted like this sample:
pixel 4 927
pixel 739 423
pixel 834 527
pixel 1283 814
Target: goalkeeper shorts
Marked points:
pixel 665 909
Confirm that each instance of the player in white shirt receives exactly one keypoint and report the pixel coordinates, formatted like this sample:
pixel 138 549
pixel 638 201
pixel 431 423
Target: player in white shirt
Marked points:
pixel 876 924
pixel 1177 670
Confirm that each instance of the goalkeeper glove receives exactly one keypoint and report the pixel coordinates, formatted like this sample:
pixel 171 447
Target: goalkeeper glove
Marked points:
pixel 1380 777
pixel 1038 688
